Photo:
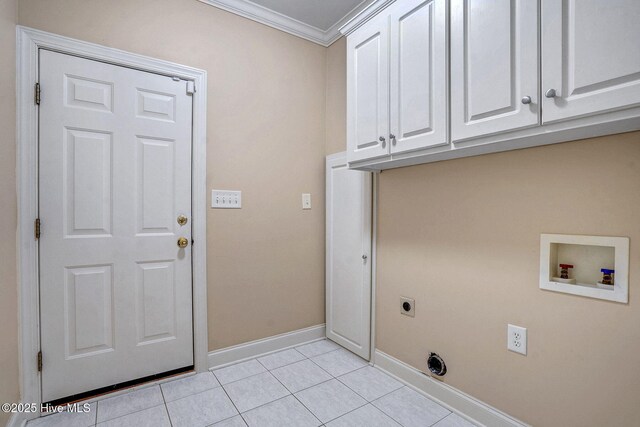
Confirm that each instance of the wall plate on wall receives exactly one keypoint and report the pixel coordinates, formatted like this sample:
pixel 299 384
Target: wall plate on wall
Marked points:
pixel 408 306
pixel 226 199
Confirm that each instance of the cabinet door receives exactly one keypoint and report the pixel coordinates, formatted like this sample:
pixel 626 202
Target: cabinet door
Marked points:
pixel 418 76
pixel 494 66
pixel 368 90
pixel 590 56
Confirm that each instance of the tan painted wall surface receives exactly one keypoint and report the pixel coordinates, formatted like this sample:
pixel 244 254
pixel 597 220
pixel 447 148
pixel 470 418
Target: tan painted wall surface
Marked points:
pixel 265 125
pixel 468 252
pixel 336 138
pixel 8 289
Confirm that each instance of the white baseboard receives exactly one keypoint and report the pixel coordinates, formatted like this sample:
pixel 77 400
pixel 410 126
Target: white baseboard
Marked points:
pixel 466 406
pixel 252 349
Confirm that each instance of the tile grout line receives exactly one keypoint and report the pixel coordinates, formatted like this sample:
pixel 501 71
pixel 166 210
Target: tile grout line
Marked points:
pixel 367 402
pixel 370 401
pixel 212 370
pixel 253 375
pixel 347 413
pixel 323 382
pixel 296 397
pixel 336 377
pixel 446 416
pixel 166 408
pixel 234 405
pixel 407 387
pixel 328 373
pixel 226 419
pixel 131 413
pixel 260 406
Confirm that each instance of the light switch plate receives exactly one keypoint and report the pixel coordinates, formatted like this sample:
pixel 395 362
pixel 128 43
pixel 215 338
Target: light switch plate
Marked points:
pixel 306 201
pixel 226 199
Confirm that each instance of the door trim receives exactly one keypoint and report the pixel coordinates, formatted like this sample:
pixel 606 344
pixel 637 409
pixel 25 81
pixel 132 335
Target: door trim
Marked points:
pixel 29 41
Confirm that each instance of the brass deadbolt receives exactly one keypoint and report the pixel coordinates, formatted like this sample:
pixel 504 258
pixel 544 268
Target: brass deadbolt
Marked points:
pixel 182 220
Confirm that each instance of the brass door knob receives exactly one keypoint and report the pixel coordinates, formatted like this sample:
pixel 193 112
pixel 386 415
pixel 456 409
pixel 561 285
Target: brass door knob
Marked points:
pixel 183 242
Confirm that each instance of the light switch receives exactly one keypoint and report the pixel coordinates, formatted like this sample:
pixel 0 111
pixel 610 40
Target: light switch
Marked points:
pixel 226 199
pixel 306 201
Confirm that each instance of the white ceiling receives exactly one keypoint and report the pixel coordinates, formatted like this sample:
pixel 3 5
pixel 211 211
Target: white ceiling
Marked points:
pixel 322 14
pixel 316 20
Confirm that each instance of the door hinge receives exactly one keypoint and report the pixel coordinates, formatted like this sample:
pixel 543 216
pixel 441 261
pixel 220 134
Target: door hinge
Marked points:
pixel 191 87
pixel 37 94
pixel 40 361
pixel 36 227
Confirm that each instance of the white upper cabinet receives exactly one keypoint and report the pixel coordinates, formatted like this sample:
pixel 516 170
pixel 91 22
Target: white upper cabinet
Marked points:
pixel 431 80
pixel 418 75
pixel 494 66
pixel 590 57
pixel 368 90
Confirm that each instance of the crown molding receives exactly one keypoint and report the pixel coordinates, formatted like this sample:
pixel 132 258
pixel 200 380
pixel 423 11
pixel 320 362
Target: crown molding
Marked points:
pixel 263 15
pixel 363 16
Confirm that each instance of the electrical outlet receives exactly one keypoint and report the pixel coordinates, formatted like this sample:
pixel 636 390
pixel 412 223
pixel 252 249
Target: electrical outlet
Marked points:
pixel 408 306
pixel 517 339
pixel 226 199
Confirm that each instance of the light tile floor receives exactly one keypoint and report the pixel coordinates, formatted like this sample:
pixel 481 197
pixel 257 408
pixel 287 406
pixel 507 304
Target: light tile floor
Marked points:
pixel 316 384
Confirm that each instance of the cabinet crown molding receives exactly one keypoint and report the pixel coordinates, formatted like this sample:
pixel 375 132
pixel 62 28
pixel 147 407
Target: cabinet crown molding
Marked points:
pixel 365 15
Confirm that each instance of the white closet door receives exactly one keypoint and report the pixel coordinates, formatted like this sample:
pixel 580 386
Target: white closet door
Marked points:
pixel 115 173
pixel 348 258
pixel 368 90
pixel 418 76
pixel 590 57
pixel 494 66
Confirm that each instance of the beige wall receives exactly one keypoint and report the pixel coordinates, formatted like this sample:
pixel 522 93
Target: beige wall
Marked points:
pixel 336 116
pixel 266 107
pixel 468 252
pixel 8 289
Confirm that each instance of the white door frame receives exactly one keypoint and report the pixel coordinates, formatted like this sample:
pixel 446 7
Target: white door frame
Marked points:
pixel 29 41
pixel 374 261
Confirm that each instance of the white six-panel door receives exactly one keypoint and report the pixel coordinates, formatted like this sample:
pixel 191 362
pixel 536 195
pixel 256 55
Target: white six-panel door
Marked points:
pixel 368 90
pixel 348 257
pixel 114 175
pixel 494 66
pixel 590 57
pixel 418 75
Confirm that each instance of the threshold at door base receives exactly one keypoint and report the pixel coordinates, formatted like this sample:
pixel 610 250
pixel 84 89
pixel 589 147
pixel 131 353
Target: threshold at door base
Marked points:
pixel 118 387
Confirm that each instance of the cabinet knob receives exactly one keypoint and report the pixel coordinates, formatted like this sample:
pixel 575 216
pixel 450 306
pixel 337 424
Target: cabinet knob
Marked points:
pixel 392 137
pixel 526 99
pixel 551 93
pixel 364 256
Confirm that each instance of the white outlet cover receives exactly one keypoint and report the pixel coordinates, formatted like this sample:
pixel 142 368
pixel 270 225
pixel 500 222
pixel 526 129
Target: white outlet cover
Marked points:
pixel 226 199
pixel 517 339
pixel 412 302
